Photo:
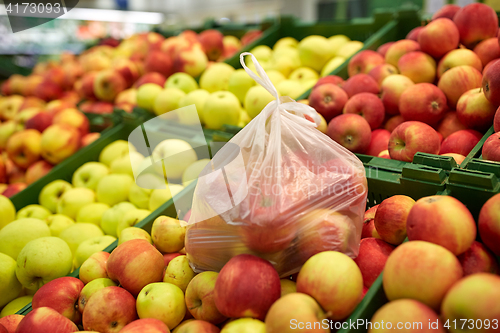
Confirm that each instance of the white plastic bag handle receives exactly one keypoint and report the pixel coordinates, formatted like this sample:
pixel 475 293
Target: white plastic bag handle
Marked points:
pixel 265 82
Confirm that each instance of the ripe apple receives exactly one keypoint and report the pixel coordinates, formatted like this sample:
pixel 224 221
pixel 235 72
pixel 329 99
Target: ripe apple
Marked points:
pixel 176 154
pixel 491 148
pixel 52 192
pixel 380 72
pixel 182 81
pixel 92 213
pixel 133 233
pixel 112 217
pixel 39 121
pixel 489 224
pixel 131 218
pixel 256 99
pixel 450 124
pixel 457 81
pixel 109 310
pixel 474 298
pixel 94 267
pixel 159 62
pixel 167 100
pixel 33 211
pixel 10 322
pixel 399 312
pixel 107 84
pixel 221 108
pixel 488 50
pixel 423 102
pixel 369 224
pixel 59 141
pixel 448 11
pixel 75 234
pixel 15 235
pixel 360 83
pixel 491 82
pixel 458 57
pixel 373 254
pixel 61 295
pixel 10 287
pixel 391 89
pixel 90 289
pixel 290 88
pixel 411 137
pixel 113 188
pixel 478 259
pixel 147 325
pixel 43 260
pixel 391 218
pixel 151 77
pixel 73 200
pixel 192 326
pixel 496 121
pixel 114 150
pixel 7 128
pixel 348 49
pixel 200 298
pixel 90 246
pixel 24 147
pixel 328 100
pixel 127 69
pixel 146 95
pixel 193 171
pixel 246 286
pixel 191 60
pixel 37 170
pixel 168 234
pixel 476 22
pixel 74 118
pixel 460 142
pixel 414 33
pixel 216 77
pixel 178 272
pixel 367 105
pixel 451 226
pixel 379 142
pixel 46 320
pixel 7 211
pixel 351 131
pixel 161 196
pixel 212 42
pixel 418 66
pixel 398 49
pixel 364 62
pixel 285 314
pixel 439 37
pixel 124 262
pixel 314 52
pixel 287 287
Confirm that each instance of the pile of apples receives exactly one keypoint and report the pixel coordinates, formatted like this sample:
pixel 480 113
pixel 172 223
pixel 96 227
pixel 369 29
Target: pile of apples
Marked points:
pixel 75 220
pixel 434 92
pixel 225 96
pixel 35 136
pixel 442 269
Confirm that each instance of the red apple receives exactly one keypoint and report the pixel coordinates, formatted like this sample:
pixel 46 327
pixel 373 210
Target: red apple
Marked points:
pixel 337 80
pixel 250 36
pixel 200 298
pixel 458 57
pixel 350 131
pixel 457 157
pixel 159 62
pixel 385 154
pixel 442 220
pixel 478 259
pixel 211 41
pixel 135 264
pixel 496 121
pixel 390 218
pixel 491 83
pixel 369 224
pixel 191 59
pixel 13 189
pixel 11 322
pixel 127 69
pixel 40 121
pixel 110 309
pixel 373 254
pixel 364 62
pixel 450 124
pixel 367 105
pixel 476 22
pixel 198 326
pixel 489 223
pixel 414 33
pixel 360 83
pixel 488 50
pixel 458 80
pixel 73 117
pixel 391 89
pixel 24 147
pixel 328 99
pixel 439 37
pixel 417 66
pixel 146 325
pixel 491 148
pixel 379 142
pixel 94 267
pixel 380 72
pixel 167 257
pixel 46 320
pixel 37 170
pixel 108 84
pixel 247 286
pixel 59 141
pixel 89 138
pixel 423 102
pixel 411 137
pixel 400 48
pixel 31 101
pixel 382 49
pixel 151 77
pixel 48 91
pixel 393 122
pixel 460 142
pixel 448 11
pixel 61 295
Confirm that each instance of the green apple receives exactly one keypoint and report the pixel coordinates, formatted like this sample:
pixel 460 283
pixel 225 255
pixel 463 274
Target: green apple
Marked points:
pixel 160 196
pixel 332 65
pixel 133 233
pixel 182 81
pixel 79 232
pixel 290 88
pixel 349 49
pixel 127 164
pixel 193 171
pixel 43 260
pixel 256 100
pixel 244 325
pixel 16 304
pixel 150 180
pixel 113 216
pixel 131 218
pixel 167 100
pixel 179 272
pixel 239 84
pixel 303 74
pixel 162 301
pixel 114 150
pixel 146 95
pixel 216 77
pixel 244 118
pixel 113 188
pixel 9 285
pixel 90 289
pixel 168 234
pixel 262 53
pixel 337 41
pixel 197 97
pixel 15 235
pixel 222 108
pixel 176 154
pixel 89 174
pixel 285 42
pixel 34 211
pixel 92 213
pixel 74 199
pixel 90 246
pixel 7 211
pixel 139 196
pixel 52 192
pixel 275 76
pixel 314 52
pixel 58 223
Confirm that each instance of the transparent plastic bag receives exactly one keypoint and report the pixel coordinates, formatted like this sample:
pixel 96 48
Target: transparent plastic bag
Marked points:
pixel 280 189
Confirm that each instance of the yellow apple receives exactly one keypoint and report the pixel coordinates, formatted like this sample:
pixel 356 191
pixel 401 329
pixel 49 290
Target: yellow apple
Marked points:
pixel 146 95
pixel 168 234
pixel 73 199
pixel 79 232
pixel 58 223
pixel 256 100
pixel 290 88
pixel 114 188
pixel 285 42
pixel 89 174
pixel 197 97
pixel 115 150
pixel 92 213
pixel 314 52
pixel 221 108
pixel 216 77
pixel 15 235
pixel 176 154
pixel 193 171
pixel 167 100
pixel 127 164
pixel 349 49
pixel 10 287
pixel 304 74
pixel 276 76
pixel 139 196
pixel 51 193
pixel 331 65
pixel 160 196
pixel 262 53
pixel 133 233
pixel 131 218
pixel 239 83
pixel 179 272
pixel 182 81
pixel 337 41
pixel 113 216
pixel 7 211
pixel 16 305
